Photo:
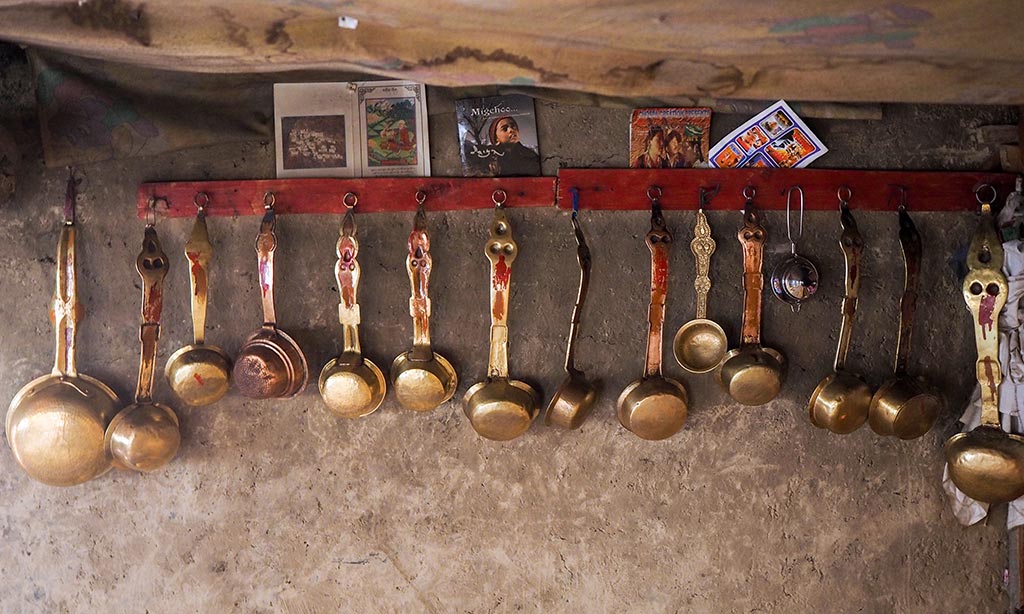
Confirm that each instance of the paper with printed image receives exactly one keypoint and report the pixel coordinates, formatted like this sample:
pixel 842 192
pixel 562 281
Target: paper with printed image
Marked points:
pixel 774 138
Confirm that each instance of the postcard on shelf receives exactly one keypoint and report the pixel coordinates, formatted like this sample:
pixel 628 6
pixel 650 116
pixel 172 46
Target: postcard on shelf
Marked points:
pixel 360 129
pixel 676 137
pixel 498 136
pixel 774 138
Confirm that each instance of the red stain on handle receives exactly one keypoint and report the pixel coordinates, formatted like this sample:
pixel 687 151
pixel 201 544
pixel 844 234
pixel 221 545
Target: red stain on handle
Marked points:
pixel 502 274
pixel 659 273
pixel 985 315
pixel 198 272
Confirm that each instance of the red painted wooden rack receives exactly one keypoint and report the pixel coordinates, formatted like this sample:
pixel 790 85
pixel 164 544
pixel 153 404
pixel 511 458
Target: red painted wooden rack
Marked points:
pixel 599 189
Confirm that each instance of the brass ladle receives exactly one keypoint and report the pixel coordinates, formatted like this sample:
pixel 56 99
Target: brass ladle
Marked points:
pixel 987 463
pixel 654 406
pixel 752 374
pixel 270 363
pixel 700 344
pixel 55 423
pixel 199 373
pixel 840 402
pixel 423 379
pixel 145 435
pixel 905 406
pixel 351 385
pixel 500 408
pixel 575 397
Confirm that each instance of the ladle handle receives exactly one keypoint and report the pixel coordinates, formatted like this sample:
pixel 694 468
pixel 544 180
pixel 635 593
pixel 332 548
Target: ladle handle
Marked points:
pixel 347 272
pixel 266 245
pixel 152 267
pixel 199 251
pixel 752 237
pixel 910 242
pixel 702 246
pixel 66 311
pixel 501 251
pixel 419 264
pixel 584 259
pixel 852 244
pixel 985 291
pixel 659 241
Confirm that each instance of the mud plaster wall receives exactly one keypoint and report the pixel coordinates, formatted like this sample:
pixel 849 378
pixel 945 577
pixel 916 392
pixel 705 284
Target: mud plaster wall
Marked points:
pixel 279 507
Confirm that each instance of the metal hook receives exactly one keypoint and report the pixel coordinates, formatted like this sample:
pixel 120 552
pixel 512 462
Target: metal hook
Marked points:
pixel 981 201
pixel 844 193
pixel 654 193
pixel 421 197
pixel 151 213
pixel 800 235
pixel 200 200
pixel 899 191
pixel 499 197
pixel 749 192
pixel 575 193
pixel 350 196
pixel 269 200
pixel 706 194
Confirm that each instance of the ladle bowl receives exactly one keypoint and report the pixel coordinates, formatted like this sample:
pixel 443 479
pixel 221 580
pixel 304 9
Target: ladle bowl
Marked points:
pixel 270 365
pixel 987 464
pixel 501 409
pixel 700 345
pixel 840 402
pixel 143 437
pixel 653 408
pixel 572 402
pixel 352 390
pixel 422 385
pixel 752 375
pixel 904 407
pixel 199 374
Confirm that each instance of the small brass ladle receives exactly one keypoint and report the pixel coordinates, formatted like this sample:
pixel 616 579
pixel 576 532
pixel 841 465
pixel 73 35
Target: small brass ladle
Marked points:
pixel 752 374
pixel 422 378
pixel 145 435
pixel 500 408
pixel 351 385
pixel 575 397
pixel 840 402
pixel 55 423
pixel 700 344
pixel 905 406
pixel 987 463
pixel 654 406
pixel 199 373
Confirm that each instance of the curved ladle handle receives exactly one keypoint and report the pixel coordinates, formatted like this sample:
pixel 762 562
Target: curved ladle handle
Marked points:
pixel 346 272
pixel 702 246
pixel 910 242
pixel 985 291
pixel 152 267
pixel 199 251
pixel 852 244
pixel 419 264
pixel 583 257
pixel 659 241
pixel 501 250
pixel 266 245
pixel 752 237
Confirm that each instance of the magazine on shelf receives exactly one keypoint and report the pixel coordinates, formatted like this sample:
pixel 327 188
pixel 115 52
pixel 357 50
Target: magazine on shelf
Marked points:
pixel 774 138
pixel 498 136
pixel 676 137
pixel 357 129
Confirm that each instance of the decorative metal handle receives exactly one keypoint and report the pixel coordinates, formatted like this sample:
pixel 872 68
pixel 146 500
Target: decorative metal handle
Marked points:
pixel 659 241
pixel 702 246
pixel 199 251
pixel 501 250
pixel 910 242
pixel 152 267
pixel 66 311
pixel 752 237
pixel 583 257
pixel 266 245
pixel 852 244
pixel 985 291
pixel 346 272
pixel 419 264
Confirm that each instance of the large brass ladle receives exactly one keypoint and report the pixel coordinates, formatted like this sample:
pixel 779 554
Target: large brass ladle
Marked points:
pixel 700 344
pixel 350 385
pixel 905 406
pixel 575 397
pixel 840 402
pixel 752 374
pixel 654 406
pixel 199 374
pixel 987 463
pixel 270 363
pixel 422 378
pixel 55 423
pixel 500 408
pixel 145 435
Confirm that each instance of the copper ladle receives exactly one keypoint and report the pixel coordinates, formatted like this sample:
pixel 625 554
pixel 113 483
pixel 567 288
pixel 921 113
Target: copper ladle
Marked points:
pixel 905 406
pixel 145 435
pixel 270 363
pixel 351 385
pixel 654 406
pixel 500 408
pixel 423 379
pixel 199 373
pixel 987 463
pixel 752 374
pixel 575 397
pixel 840 402
pixel 55 423
pixel 700 344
